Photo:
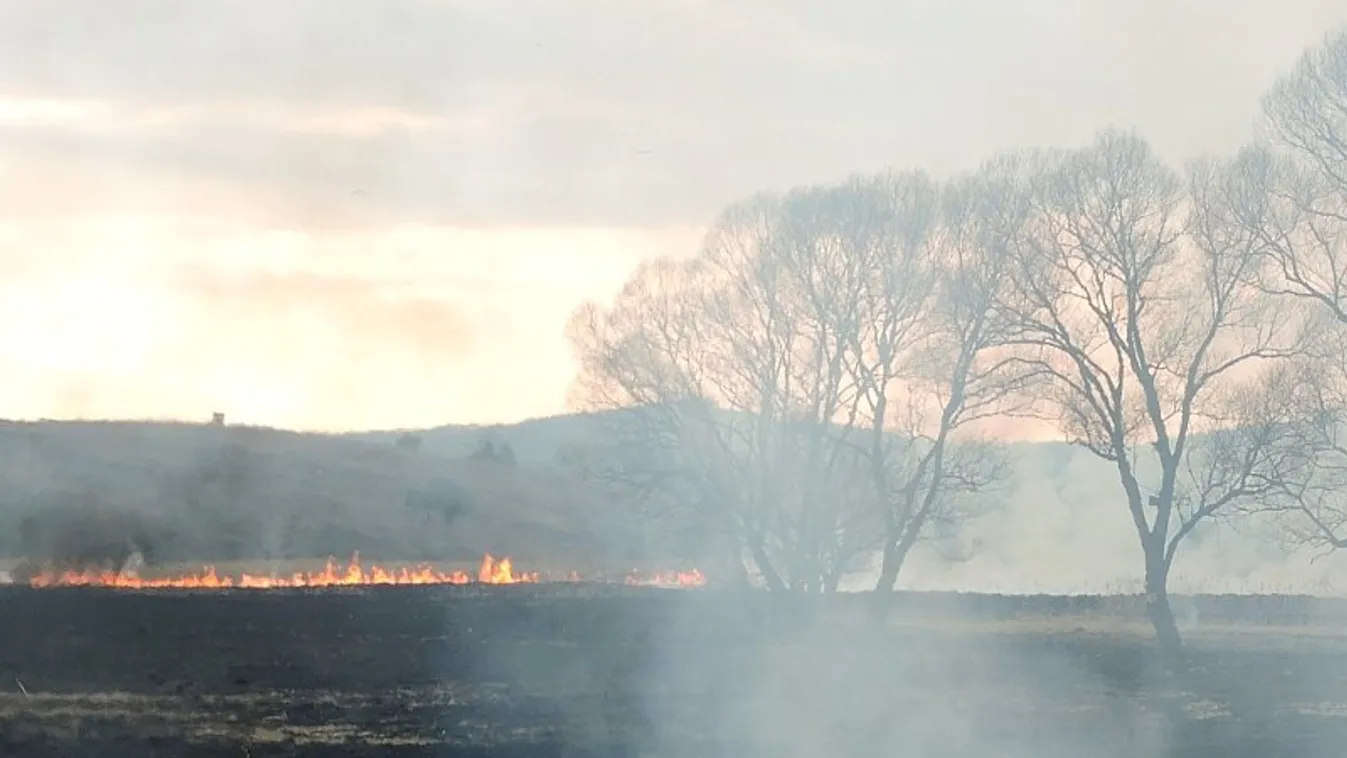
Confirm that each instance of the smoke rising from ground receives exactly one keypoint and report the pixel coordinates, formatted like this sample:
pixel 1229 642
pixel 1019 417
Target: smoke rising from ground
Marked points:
pixel 829 686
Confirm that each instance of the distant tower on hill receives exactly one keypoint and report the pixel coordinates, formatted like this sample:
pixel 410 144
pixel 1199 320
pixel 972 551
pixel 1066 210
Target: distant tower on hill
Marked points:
pixel 217 419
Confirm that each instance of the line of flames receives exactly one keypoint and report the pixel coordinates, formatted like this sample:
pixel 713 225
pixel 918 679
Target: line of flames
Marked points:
pixel 492 571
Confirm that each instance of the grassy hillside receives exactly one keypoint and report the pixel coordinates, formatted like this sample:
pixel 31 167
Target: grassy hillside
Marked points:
pixel 535 441
pixel 200 492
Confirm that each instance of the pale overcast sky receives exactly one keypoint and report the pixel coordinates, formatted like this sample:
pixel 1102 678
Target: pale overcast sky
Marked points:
pixel 336 214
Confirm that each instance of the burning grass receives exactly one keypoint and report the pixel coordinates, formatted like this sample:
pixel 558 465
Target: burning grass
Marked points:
pixel 491 570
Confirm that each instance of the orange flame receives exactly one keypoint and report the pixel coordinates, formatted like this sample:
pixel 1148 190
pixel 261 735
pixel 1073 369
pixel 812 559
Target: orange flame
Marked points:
pixel 502 572
pixel 491 571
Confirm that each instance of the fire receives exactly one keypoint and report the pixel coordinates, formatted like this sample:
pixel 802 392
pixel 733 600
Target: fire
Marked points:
pixel 491 571
pixel 502 572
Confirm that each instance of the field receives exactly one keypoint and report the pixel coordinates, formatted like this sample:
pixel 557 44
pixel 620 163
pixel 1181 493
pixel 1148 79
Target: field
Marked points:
pixel 585 670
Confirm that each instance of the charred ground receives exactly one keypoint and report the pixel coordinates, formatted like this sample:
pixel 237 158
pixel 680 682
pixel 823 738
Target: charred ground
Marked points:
pixel 584 671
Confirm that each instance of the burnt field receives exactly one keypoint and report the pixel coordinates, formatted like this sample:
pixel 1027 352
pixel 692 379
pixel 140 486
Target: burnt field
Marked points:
pixel 555 670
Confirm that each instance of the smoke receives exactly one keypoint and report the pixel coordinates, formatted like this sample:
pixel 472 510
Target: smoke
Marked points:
pixel 1063 528
pixel 758 683
pixel 80 534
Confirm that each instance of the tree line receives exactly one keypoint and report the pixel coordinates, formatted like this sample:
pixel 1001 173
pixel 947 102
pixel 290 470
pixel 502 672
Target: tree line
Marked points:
pixel 823 381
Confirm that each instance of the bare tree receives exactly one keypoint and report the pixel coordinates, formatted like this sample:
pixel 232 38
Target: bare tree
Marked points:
pixel 799 383
pixel 641 363
pixel 1138 304
pixel 923 362
pixel 729 383
pixel 1295 199
pixel 1314 474
pixel 1289 193
pixel 820 254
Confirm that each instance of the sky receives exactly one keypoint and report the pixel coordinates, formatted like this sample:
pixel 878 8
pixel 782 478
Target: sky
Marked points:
pixel 348 214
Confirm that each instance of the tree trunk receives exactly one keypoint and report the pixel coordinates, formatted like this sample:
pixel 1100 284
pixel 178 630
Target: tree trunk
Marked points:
pixel 1161 615
pixel 769 574
pixel 896 548
pixel 736 572
pixel 888 567
pixel 895 551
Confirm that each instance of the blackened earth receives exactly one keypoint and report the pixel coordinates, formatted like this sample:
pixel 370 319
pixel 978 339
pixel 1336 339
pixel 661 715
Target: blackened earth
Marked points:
pixel 590 671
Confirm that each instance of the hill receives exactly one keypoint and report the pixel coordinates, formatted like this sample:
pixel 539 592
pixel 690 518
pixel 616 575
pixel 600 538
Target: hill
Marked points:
pixel 202 492
pixel 535 441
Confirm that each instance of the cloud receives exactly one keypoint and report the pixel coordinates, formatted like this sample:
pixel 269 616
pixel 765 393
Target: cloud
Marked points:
pixel 357 113
pixel 334 213
pixel 366 168
pixel 409 54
